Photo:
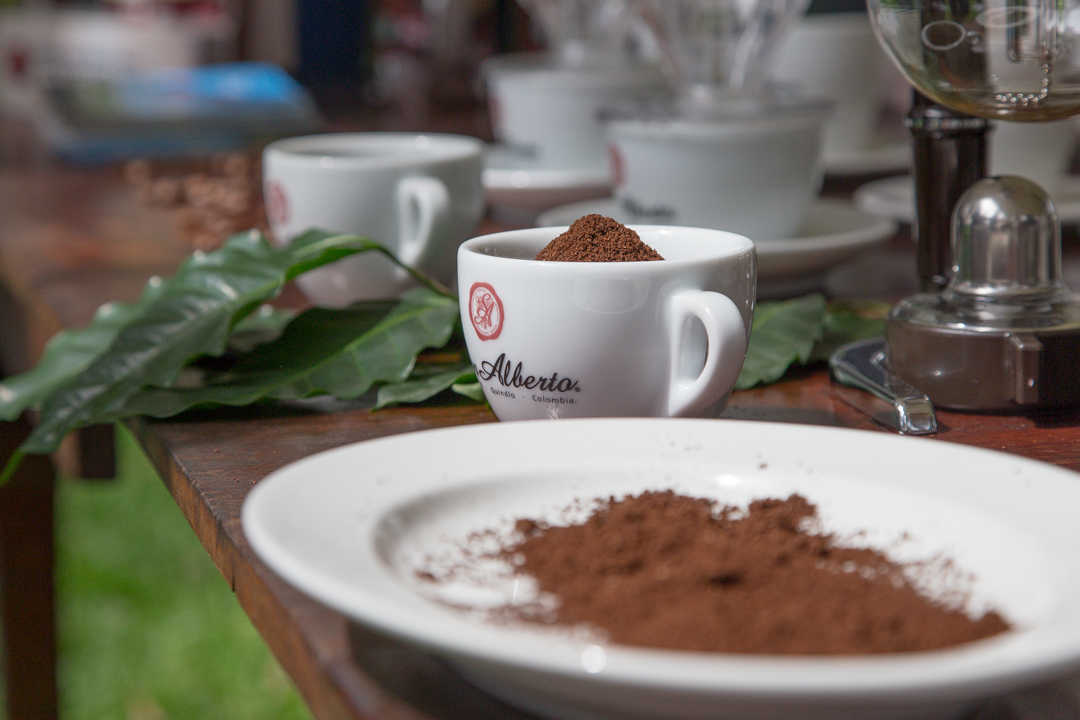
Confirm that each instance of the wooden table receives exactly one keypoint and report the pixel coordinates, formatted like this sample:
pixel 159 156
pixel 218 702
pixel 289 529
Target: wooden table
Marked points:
pixel 73 238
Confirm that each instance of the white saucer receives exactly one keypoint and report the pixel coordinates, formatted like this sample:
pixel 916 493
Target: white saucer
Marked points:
pixel 894 197
pixel 834 231
pixel 351 527
pixel 885 155
pixel 519 185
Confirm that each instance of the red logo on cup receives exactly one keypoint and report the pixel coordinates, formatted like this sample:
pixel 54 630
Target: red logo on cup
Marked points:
pixel 277 203
pixel 485 311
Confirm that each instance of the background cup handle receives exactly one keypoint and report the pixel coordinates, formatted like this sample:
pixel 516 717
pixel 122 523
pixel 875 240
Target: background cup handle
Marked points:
pixel 422 203
pixel 726 334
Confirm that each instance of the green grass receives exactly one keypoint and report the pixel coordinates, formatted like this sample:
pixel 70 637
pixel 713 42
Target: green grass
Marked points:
pixel 148 628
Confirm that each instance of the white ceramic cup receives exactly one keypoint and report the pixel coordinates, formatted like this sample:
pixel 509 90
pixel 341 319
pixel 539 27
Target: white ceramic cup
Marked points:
pixel 753 175
pixel 837 55
pixel 419 195
pixel 550 114
pixel 662 338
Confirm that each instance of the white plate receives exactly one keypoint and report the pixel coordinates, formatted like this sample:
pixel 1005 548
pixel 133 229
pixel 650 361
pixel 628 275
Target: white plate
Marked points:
pixel 894 197
pixel 349 526
pixel 519 184
pixel 834 231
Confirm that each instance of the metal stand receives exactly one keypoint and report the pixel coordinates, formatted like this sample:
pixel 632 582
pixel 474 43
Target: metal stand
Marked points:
pixel 950 156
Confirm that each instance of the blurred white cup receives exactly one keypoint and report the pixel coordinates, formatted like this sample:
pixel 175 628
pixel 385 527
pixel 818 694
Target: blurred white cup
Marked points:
pixel 1041 152
pixel 836 55
pixel 419 195
pixel 550 113
pixel 754 174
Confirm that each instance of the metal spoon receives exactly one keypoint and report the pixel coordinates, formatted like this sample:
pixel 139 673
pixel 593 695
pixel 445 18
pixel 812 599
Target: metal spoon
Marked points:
pixel 867 385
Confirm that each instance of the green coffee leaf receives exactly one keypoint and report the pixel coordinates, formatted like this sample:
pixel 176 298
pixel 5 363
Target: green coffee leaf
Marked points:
pixel 847 322
pixel 67 354
pixel 784 333
pixel 804 330
pixel 338 352
pixel 185 317
pixel 429 382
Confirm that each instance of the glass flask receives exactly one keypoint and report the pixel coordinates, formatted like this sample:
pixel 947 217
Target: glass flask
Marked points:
pixel 997 59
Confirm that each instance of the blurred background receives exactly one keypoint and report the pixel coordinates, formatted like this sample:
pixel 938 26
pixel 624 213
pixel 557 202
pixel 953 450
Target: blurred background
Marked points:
pixel 75 66
pixel 182 94
pixel 110 79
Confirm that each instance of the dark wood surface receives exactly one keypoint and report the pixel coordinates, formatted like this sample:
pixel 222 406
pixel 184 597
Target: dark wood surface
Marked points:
pixel 28 607
pixel 73 238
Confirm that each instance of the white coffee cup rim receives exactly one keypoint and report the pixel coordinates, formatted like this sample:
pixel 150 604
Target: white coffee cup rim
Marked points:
pixel 326 149
pixel 534 239
pixel 780 110
pixel 710 128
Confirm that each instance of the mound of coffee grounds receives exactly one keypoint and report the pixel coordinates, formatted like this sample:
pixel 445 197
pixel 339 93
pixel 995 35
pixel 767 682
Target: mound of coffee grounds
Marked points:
pixel 595 238
pixel 662 570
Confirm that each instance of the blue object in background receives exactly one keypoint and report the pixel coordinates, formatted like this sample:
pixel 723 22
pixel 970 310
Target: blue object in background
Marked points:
pixel 177 111
pixel 208 90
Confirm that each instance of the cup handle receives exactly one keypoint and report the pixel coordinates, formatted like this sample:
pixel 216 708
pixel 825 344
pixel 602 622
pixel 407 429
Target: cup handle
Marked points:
pixel 422 202
pixel 726 334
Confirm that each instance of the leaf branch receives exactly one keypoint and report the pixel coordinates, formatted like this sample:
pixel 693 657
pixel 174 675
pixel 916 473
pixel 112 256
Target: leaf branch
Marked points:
pixel 129 357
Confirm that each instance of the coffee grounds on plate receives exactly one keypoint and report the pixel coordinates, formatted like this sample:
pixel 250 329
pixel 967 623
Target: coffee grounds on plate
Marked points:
pixel 663 570
pixel 595 238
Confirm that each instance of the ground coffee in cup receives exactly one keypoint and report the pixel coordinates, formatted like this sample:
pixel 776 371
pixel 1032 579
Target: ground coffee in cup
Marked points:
pixel 606 339
pixel 595 238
